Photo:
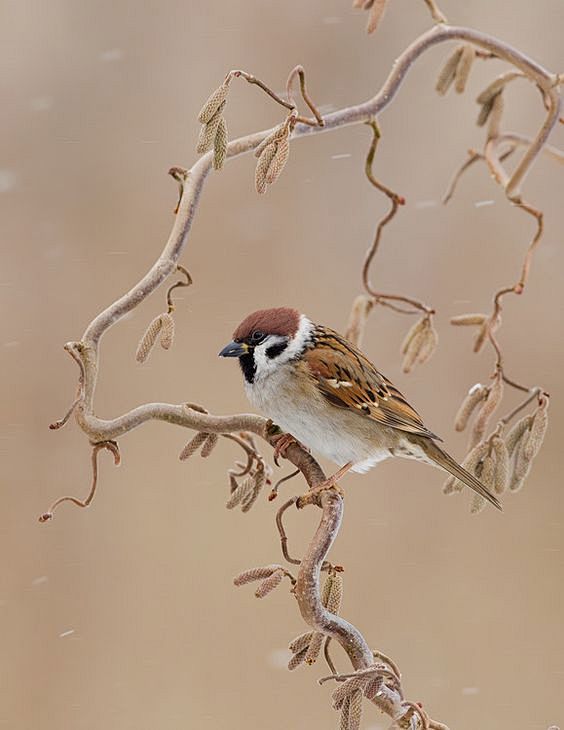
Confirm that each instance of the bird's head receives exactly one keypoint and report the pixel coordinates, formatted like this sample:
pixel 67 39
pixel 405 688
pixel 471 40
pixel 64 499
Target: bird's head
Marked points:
pixel 268 339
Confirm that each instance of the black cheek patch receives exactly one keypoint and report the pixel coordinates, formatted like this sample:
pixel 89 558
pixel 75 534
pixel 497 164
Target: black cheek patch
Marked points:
pixel 276 350
pixel 248 366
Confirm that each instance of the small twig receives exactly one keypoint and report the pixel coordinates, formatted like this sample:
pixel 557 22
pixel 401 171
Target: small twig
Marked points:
pixel 188 282
pixel 110 446
pixel 282 531
pixel 327 655
pixel 436 13
pixel 274 491
pixel 180 174
pixel 534 393
pixel 299 71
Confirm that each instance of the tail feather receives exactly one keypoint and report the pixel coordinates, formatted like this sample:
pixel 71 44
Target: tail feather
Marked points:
pixel 446 462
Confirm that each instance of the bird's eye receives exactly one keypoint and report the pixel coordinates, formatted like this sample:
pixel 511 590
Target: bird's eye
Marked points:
pixel 257 336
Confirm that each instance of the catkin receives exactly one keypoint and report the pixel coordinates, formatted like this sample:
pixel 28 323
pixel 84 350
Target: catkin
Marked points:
pixel 429 345
pixel 501 477
pixel 463 68
pixel 208 132
pixel 480 338
pixel 468 319
pixel 448 71
pixel 355 710
pixel 361 308
pixel 272 137
pixel 167 331
pixel 376 14
pixel 494 118
pixel 495 394
pixel 269 584
pixel 297 659
pixel 220 145
pixel 147 342
pixel 521 468
pixel 278 162
pixel 487 475
pixel 538 431
pixel 262 167
pixel 314 647
pixel 413 331
pixel 492 90
pixel 251 494
pixel 300 642
pixel 209 444
pixel 470 463
pixel 214 102
pixel 452 485
pixel 248 576
pixel 193 445
pixel 372 688
pixel 475 395
pixel 345 706
pixel 335 594
pixel 514 437
pixel 240 493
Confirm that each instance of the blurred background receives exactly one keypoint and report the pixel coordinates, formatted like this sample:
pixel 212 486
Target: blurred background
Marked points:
pixel 124 615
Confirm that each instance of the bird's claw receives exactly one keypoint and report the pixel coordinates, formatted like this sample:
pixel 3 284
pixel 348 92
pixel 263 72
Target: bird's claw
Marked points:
pixel 283 443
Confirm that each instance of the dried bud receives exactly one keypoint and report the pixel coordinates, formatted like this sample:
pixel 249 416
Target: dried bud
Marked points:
pixel 167 331
pixel 300 642
pixel 147 342
pixel 193 445
pixel 209 444
pixel 463 68
pixel 448 71
pixel 269 584
pixel 220 145
pixel 501 478
pixel 517 433
pixel 212 105
pixel 538 430
pixel 468 319
pixel 475 395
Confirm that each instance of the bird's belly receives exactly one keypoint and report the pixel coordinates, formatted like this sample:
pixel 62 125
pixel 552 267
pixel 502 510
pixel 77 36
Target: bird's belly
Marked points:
pixel 335 433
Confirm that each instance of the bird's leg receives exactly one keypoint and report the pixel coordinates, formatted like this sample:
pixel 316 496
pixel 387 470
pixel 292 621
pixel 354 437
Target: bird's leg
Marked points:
pixel 284 441
pixel 312 496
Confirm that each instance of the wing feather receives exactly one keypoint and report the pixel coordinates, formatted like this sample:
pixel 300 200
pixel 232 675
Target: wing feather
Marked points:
pixel 347 379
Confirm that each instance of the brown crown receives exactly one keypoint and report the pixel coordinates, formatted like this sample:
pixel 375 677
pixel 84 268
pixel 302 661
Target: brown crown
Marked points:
pixel 278 321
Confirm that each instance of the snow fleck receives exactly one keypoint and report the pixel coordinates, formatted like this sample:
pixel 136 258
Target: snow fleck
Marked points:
pixel 470 691
pixel 425 204
pixel 279 658
pixel 482 203
pixel 7 180
pixel 66 633
pixel 332 20
pixel 341 156
pixel 40 580
pixel 111 55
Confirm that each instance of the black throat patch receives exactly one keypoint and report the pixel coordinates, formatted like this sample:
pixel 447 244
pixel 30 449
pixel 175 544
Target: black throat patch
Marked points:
pixel 248 365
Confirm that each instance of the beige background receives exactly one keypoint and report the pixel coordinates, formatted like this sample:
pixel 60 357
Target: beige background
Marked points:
pixel 99 99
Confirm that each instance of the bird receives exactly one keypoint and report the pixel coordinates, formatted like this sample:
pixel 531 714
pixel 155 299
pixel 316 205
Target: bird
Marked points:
pixel 326 394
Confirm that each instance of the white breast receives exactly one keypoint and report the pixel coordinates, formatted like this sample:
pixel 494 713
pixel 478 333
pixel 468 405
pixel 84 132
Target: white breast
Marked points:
pixel 336 433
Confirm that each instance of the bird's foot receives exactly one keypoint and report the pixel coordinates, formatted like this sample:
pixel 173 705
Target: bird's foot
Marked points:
pixel 313 496
pixel 283 443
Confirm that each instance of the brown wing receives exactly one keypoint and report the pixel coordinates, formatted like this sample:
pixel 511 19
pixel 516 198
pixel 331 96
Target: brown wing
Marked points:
pixel 349 380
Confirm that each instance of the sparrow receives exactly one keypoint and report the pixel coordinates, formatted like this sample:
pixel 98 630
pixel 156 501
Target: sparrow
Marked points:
pixel 325 392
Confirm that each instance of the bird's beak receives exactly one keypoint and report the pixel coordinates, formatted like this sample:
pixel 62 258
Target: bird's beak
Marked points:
pixel 234 349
